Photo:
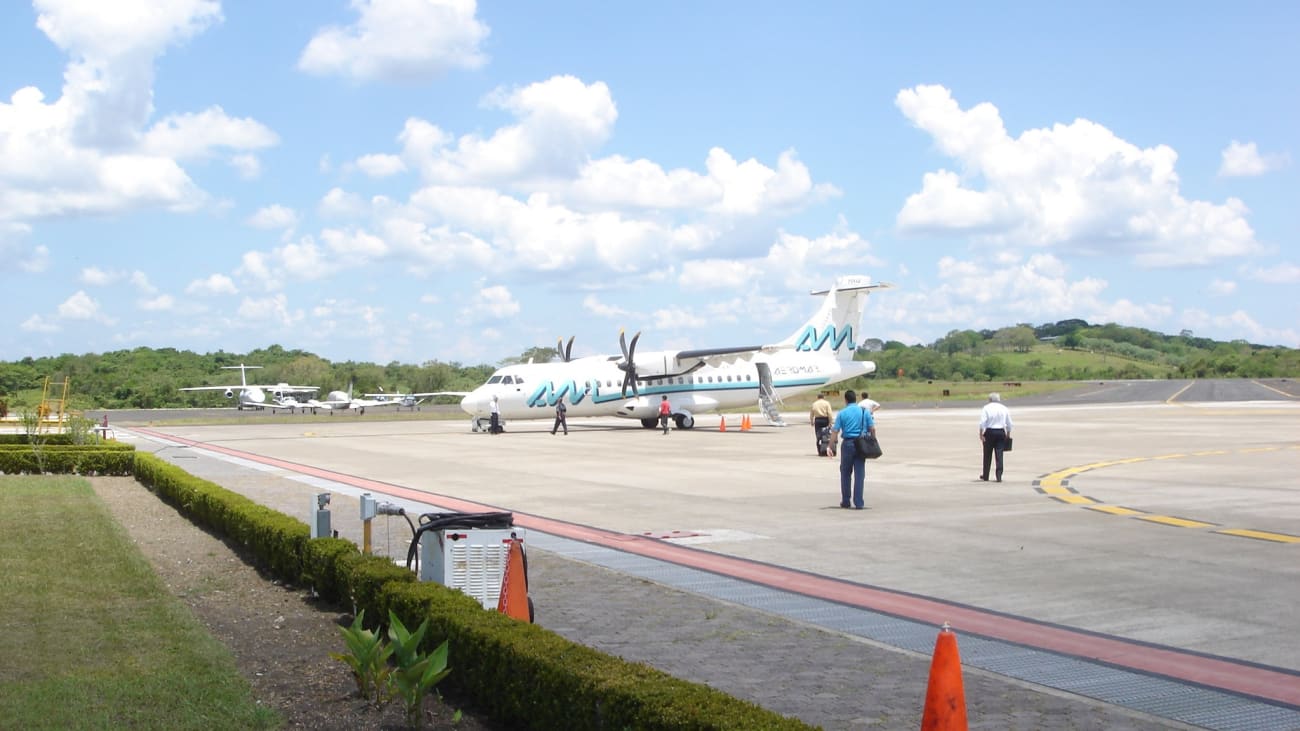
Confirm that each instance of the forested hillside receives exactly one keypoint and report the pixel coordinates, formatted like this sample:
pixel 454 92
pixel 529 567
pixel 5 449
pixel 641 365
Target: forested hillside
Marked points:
pixel 1067 350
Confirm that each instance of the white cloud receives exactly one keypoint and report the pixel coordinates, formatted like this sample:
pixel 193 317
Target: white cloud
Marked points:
pixel 189 136
pixel 495 302
pixel 1239 325
pixel 561 121
pixel 273 217
pixel 338 203
pixel 215 284
pixel 89 152
pixel 1244 160
pixel 399 40
pixel 380 166
pixel 717 274
pixel 1222 287
pixel 269 310
pixel 141 282
pixel 80 306
pixel 161 303
pixel 1075 188
pixel 1283 273
pixel 96 277
pixel 38 324
pixel 247 165
pixel 592 304
pixel 674 318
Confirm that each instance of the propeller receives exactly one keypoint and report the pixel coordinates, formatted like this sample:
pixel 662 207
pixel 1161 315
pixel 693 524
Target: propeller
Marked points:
pixel 628 366
pixel 565 351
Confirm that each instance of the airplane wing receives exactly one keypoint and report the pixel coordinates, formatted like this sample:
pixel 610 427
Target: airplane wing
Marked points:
pixel 689 359
pixel 284 388
pixel 236 387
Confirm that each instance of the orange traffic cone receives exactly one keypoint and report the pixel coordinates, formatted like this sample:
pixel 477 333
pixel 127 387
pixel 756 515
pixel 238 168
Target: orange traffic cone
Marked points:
pixel 744 422
pixel 723 426
pixel 945 700
pixel 514 585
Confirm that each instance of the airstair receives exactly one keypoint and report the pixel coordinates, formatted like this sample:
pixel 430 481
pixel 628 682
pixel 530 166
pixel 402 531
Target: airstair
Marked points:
pixel 51 409
pixel 767 396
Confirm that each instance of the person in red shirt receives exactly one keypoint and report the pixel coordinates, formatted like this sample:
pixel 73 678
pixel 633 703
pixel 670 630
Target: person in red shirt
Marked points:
pixel 665 411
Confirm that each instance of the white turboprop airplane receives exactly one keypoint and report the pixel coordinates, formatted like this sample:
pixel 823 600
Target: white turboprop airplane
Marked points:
pixel 631 385
pixel 344 400
pixel 279 396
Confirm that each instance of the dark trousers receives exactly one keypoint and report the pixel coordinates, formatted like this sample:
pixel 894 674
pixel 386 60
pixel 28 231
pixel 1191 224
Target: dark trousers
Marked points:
pixel 663 421
pixel 994 441
pixel 495 427
pixel 819 423
pixel 853 472
pixel 560 422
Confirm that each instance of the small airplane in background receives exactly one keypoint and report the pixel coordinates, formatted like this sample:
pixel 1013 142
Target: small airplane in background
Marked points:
pixel 257 396
pixel 345 401
pixel 818 354
pixel 399 399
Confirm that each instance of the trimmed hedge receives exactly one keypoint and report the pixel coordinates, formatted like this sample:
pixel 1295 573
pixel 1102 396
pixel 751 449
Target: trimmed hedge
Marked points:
pixel 21 459
pixel 523 675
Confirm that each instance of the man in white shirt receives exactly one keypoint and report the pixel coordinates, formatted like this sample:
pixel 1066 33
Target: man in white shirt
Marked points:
pixel 995 430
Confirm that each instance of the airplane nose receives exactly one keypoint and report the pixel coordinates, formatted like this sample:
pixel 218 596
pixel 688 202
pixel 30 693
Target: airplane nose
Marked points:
pixel 475 403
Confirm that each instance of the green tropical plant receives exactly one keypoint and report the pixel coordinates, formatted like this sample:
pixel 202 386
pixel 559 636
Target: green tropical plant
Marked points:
pixel 367 655
pixel 416 673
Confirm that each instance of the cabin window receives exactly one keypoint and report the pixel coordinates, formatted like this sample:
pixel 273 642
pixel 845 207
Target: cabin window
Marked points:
pixel 680 380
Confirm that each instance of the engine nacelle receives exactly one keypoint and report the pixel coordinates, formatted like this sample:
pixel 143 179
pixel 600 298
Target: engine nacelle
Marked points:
pixel 230 393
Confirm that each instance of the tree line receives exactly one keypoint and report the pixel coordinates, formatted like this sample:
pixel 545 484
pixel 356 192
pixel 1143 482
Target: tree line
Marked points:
pixel 148 378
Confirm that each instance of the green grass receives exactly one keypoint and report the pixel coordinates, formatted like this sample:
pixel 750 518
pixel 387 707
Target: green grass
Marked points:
pixel 90 638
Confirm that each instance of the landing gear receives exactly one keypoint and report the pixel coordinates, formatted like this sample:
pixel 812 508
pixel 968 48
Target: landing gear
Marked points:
pixel 684 421
pixel 649 423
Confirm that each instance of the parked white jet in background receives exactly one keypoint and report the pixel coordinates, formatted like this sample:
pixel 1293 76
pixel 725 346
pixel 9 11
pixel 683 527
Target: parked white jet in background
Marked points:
pixel 344 401
pixel 818 354
pixel 255 396
pixel 399 399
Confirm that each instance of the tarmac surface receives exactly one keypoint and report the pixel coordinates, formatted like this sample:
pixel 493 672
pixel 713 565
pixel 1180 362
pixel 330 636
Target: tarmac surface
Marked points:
pixel 1139 567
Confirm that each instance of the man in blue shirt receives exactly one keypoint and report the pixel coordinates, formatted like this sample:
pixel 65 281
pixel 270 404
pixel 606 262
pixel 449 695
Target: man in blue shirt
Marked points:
pixel 850 422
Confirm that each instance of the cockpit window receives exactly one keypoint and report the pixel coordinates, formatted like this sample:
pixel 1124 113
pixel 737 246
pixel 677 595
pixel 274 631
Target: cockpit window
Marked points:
pixel 519 379
pixel 508 379
pixel 494 379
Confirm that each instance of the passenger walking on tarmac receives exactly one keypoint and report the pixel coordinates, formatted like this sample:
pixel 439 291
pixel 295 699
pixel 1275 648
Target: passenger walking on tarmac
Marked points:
pixel 560 410
pixel 851 422
pixel 665 412
pixel 820 418
pixel 995 433
pixel 495 426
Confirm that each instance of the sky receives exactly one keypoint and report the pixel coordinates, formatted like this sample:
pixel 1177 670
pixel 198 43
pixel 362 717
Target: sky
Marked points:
pixel 417 180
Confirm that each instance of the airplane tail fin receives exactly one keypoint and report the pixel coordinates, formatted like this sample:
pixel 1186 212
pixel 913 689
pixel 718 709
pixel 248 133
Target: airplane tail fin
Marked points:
pixel 243 372
pixel 838 322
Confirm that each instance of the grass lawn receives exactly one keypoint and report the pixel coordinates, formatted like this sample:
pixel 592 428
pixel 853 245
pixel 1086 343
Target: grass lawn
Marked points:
pixel 89 636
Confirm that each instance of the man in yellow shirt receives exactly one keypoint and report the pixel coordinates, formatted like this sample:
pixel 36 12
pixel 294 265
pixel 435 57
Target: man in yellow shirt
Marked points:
pixel 820 418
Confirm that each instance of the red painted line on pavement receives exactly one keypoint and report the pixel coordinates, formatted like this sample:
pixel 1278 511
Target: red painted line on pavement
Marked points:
pixel 1274 684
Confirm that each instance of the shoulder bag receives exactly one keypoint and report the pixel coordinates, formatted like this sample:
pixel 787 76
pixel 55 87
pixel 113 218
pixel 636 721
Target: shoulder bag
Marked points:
pixel 867 446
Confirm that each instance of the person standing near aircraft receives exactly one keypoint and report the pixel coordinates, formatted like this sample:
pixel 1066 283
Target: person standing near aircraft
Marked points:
pixel 851 421
pixel 869 404
pixel 820 418
pixel 560 411
pixel 995 432
pixel 665 413
pixel 495 426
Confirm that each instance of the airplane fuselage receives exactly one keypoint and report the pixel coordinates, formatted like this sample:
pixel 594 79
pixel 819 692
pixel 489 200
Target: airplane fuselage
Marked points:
pixel 594 386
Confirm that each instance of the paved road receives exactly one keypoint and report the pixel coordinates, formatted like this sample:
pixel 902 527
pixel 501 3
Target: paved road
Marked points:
pixel 1143 513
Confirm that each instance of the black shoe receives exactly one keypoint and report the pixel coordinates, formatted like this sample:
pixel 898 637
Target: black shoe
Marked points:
pixel 846 507
pixel 999 479
pixel 982 477
pixel 859 507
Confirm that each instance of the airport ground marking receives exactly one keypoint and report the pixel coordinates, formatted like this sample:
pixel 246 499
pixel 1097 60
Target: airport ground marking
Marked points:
pixel 1056 485
pixel 1274 390
pixel 1170 400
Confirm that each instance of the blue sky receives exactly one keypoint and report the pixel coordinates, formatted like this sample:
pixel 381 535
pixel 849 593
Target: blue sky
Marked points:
pixel 414 180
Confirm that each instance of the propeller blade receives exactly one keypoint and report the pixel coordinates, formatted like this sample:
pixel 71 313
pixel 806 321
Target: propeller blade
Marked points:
pixel 568 349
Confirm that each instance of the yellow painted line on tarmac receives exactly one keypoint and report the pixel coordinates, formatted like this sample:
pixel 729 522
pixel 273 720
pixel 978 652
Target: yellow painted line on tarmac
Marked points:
pixel 1274 390
pixel 1074 499
pixel 1053 485
pixel 1179 522
pixel 1262 535
pixel 1170 400
pixel 1115 510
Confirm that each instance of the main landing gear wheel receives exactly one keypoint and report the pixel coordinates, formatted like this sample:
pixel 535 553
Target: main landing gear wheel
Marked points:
pixel 684 421
pixel 649 423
